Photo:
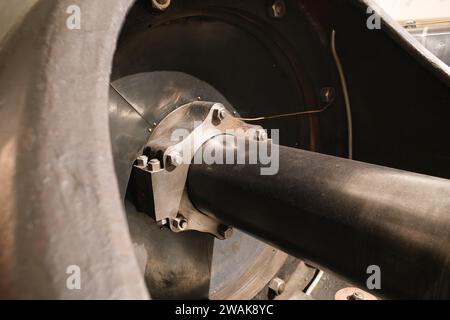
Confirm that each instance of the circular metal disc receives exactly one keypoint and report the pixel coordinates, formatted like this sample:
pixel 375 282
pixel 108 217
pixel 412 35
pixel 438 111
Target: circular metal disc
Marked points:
pixel 186 265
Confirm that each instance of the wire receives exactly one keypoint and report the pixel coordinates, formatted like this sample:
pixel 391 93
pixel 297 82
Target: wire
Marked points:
pixel 285 115
pixel 320 273
pixel 346 96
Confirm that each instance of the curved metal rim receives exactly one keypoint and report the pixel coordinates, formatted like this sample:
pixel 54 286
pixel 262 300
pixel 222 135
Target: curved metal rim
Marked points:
pixel 66 199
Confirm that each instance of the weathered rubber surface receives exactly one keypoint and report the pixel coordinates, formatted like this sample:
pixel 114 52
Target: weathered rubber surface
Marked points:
pixel 59 199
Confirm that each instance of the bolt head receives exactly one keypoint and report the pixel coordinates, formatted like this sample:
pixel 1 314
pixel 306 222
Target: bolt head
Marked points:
pixel 222 114
pixel 277 285
pixel 161 4
pixel 154 165
pixel 278 9
pixel 175 159
pixel 183 224
pixel 327 94
pixel 219 114
pixel 142 161
pixel 225 231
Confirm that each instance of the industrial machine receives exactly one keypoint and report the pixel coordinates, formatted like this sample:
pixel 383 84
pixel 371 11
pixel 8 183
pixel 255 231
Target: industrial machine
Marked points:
pixel 210 149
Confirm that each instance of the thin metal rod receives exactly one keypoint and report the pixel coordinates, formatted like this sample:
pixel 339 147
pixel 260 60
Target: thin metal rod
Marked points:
pixel 348 107
pixel 286 115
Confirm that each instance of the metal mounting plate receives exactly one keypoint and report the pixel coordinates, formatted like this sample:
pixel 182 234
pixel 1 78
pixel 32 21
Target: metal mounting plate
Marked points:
pixel 194 124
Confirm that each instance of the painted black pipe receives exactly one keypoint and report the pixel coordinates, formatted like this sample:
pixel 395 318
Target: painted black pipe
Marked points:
pixel 342 215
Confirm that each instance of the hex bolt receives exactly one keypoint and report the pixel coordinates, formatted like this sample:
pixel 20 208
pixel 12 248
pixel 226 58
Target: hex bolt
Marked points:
pixel 142 161
pixel 277 285
pixel 261 135
pixel 161 5
pixel 225 231
pixel 154 165
pixel 357 296
pixel 278 9
pixel 175 158
pixel 219 114
pixel 327 94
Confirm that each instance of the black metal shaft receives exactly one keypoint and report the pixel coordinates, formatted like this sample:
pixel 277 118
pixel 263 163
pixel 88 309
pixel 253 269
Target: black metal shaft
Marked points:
pixel 342 215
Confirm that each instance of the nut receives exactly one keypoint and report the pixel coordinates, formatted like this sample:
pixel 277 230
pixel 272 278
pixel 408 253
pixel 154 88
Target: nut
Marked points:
pixel 175 159
pixel 327 94
pixel 161 4
pixel 154 165
pixel 277 285
pixel 225 231
pixel 142 161
pixel 183 224
pixel 278 9
pixel 219 114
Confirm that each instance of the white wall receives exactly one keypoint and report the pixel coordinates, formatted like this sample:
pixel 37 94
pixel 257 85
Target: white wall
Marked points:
pixel 416 9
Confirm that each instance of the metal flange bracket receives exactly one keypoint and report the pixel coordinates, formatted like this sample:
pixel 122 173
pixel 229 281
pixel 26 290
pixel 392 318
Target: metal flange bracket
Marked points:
pixel 160 185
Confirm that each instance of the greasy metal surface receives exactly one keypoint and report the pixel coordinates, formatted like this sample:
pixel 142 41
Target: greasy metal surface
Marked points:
pixel 59 201
pixel 342 215
pixel 238 267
